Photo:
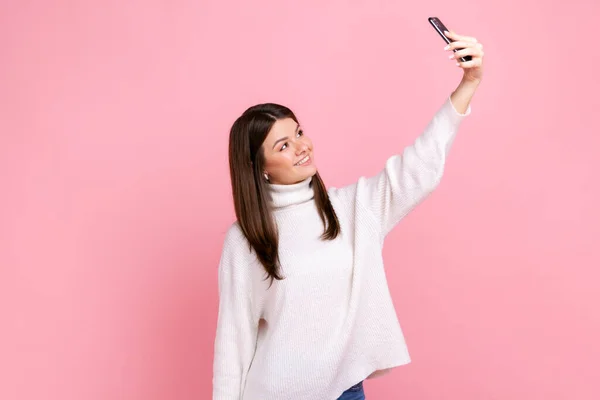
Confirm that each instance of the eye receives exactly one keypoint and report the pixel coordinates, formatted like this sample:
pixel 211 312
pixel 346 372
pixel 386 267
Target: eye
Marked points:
pixel 300 133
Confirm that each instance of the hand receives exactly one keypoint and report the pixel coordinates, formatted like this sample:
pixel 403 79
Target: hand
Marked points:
pixel 473 69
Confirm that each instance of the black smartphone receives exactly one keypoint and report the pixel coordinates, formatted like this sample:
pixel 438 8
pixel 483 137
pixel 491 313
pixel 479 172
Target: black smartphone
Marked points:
pixel 440 28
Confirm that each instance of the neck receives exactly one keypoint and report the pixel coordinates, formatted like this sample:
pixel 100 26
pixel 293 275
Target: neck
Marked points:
pixel 289 195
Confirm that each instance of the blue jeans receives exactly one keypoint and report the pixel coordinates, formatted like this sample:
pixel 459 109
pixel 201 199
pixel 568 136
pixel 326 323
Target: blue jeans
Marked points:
pixel 356 392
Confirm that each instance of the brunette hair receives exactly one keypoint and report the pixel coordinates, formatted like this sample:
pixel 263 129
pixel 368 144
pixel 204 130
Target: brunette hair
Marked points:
pixel 250 189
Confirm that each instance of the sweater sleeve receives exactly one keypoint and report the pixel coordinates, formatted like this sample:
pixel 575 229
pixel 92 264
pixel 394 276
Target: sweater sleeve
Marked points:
pixel 237 324
pixel 410 176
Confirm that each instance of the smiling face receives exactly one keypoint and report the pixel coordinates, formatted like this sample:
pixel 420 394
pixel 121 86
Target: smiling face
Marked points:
pixel 288 153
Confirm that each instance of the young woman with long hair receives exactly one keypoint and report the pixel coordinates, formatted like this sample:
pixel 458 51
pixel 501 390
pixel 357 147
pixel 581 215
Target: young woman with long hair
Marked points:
pixel 304 307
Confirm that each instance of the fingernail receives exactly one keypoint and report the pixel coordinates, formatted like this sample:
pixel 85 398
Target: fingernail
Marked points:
pixel 447 47
pixel 451 56
pixel 458 64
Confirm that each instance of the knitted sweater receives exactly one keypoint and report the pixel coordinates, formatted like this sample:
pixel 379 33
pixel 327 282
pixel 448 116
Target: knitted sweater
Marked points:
pixel 331 323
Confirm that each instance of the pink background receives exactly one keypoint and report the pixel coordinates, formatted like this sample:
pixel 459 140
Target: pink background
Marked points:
pixel 114 121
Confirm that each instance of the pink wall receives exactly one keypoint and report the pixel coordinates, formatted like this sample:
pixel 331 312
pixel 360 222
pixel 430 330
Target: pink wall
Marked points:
pixel 114 119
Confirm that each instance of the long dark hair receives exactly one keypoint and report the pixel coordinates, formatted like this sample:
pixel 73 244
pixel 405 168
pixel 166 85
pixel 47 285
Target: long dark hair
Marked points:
pixel 250 190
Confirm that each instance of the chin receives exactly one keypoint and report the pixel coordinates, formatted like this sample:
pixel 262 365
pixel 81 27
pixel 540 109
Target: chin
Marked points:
pixel 311 171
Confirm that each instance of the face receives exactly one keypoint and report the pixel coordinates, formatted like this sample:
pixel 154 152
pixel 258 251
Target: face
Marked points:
pixel 288 153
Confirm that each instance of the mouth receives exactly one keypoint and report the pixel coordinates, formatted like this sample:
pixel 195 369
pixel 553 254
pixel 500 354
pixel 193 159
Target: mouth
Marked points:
pixel 304 162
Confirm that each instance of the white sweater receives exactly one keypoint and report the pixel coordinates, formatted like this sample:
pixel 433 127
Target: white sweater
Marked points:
pixel 331 323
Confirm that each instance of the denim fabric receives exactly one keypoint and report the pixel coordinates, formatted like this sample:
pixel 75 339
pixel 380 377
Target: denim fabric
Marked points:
pixel 356 392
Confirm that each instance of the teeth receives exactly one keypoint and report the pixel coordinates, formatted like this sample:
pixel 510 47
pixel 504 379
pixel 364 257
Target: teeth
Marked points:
pixel 305 159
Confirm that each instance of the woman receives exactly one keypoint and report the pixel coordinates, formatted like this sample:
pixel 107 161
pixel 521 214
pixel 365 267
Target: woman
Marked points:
pixel 304 307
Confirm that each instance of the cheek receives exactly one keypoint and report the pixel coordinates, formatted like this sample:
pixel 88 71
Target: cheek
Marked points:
pixel 309 143
pixel 279 161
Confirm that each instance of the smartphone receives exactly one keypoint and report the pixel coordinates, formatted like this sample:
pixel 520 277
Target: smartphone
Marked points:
pixel 440 28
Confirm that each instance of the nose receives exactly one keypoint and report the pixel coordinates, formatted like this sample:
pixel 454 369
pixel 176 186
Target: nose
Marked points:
pixel 301 147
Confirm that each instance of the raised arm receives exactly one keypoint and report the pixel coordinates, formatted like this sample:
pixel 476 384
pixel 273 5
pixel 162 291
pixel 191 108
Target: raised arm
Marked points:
pixel 410 176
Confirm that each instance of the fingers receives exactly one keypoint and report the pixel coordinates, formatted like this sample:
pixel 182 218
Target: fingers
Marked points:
pixel 463 48
pixel 462 44
pixel 469 51
pixel 475 62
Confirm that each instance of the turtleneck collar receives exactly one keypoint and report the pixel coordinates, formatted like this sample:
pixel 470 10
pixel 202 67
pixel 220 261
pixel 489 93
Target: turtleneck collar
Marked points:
pixel 287 195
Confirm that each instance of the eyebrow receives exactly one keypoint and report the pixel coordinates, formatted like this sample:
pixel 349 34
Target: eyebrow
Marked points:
pixel 285 138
